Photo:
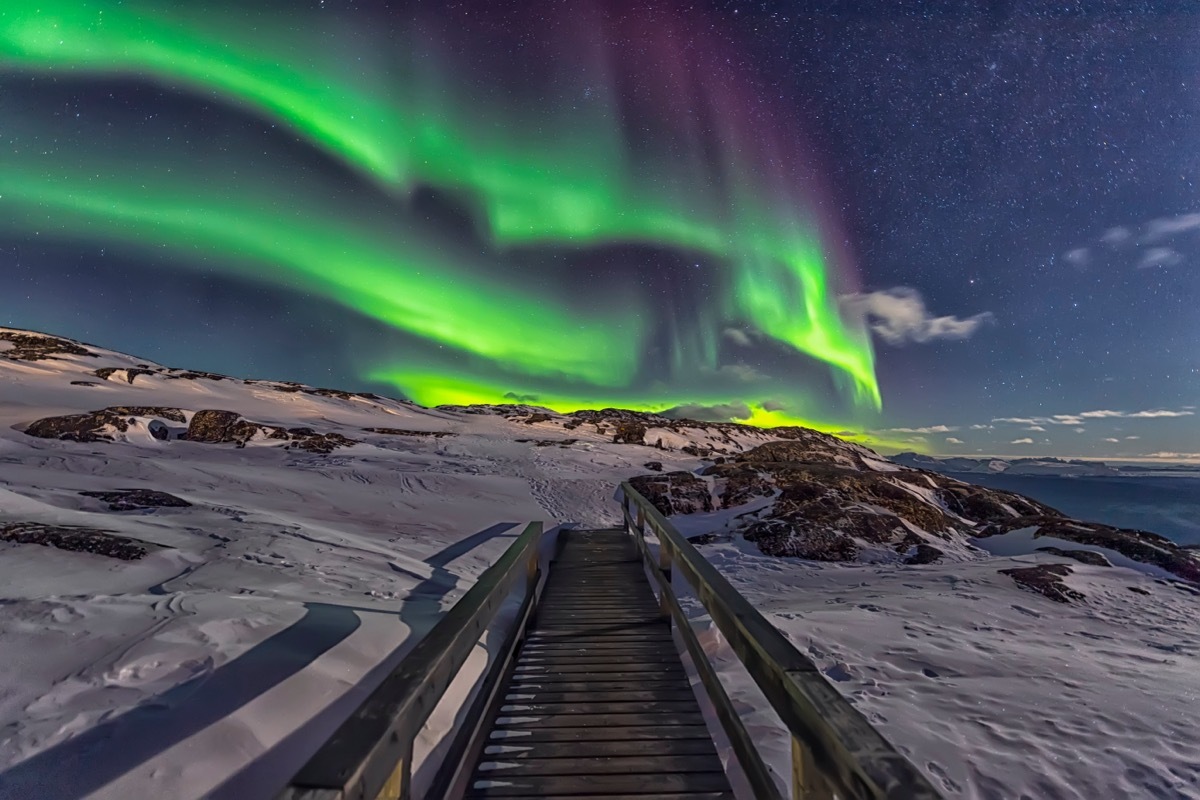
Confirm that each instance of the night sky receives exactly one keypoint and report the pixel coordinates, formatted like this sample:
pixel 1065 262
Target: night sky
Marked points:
pixel 971 232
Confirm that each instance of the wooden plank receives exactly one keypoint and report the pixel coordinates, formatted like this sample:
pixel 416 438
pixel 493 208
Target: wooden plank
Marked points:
pixel 535 707
pixel 520 750
pixel 688 796
pixel 619 733
pixel 631 669
pixel 632 646
pixel 655 684
pixel 598 720
pixel 535 785
pixel 530 663
pixel 638 695
pixel 502 768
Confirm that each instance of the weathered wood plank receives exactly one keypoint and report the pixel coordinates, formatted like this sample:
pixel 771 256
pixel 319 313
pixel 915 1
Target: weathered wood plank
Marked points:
pixel 537 786
pixel 503 768
pixel 601 685
pixel 688 796
pixel 620 733
pixel 519 750
pixel 636 695
pixel 537 707
pixel 516 720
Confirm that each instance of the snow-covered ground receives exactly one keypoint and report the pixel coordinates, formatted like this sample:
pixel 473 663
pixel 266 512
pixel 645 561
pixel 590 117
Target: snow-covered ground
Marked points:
pixel 294 581
pixel 993 691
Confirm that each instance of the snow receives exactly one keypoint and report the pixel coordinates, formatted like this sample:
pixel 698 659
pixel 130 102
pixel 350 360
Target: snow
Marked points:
pixel 269 609
pixel 992 691
pixel 218 662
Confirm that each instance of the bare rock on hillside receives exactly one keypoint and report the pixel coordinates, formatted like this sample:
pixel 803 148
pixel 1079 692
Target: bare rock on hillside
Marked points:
pixel 1046 580
pixel 674 492
pixel 97 426
pixel 136 499
pixel 75 539
pixel 37 347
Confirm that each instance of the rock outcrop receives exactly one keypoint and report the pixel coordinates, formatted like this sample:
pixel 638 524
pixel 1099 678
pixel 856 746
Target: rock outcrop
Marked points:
pixel 75 539
pixel 28 346
pixel 137 499
pixel 98 426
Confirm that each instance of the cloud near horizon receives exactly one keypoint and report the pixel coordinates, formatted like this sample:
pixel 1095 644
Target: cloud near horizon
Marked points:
pixel 899 315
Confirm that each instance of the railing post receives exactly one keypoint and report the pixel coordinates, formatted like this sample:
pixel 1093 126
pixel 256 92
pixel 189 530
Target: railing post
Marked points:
pixel 803 772
pixel 399 783
pixel 664 565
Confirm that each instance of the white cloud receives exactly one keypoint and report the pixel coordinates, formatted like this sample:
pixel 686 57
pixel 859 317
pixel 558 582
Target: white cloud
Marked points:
pixel 1078 257
pixel 1131 438
pixel 1160 413
pixel 1114 237
pixel 982 427
pixel 1065 419
pixel 952 440
pixel 1016 420
pixel 899 315
pixel 1164 227
pixel 1114 441
pixel 738 336
pixel 1181 456
pixel 930 429
pixel 1036 428
pixel 1159 257
pixel 1021 441
pixel 1152 414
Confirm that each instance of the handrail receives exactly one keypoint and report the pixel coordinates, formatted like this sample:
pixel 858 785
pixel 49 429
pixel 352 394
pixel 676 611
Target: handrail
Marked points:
pixel 370 755
pixel 835 751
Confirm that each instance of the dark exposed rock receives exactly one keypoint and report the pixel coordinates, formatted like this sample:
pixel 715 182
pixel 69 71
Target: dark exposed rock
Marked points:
pixel 1045 579
pixel 548 442
pixel 132 499
pixel 705 538
pixel 323 443
pixel 405 432
pixel 629 433
pixel 90 426
pixel 107 372
pixel 75 539
pixel 653 466
pixel 674 492
pixel 1082 556
pixel 84 383
pixel 538 417
pixel 1143 546
pixel 158 430
pixel 925 554
pixel 191 375
pixel 37 346
pixel 1138 590
pixel 804 451
pixel 214 426
pixel 790 537
pixel 740 483
pixel 335 393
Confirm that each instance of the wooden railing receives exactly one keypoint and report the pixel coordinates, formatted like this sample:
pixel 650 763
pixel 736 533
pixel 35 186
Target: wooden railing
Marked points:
pixel 835 751
pixel 370 755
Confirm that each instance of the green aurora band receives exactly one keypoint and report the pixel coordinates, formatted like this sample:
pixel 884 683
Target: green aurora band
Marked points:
pixel 569 182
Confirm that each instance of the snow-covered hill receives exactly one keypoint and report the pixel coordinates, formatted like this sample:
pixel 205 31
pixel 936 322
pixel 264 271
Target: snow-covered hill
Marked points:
pixel 200 574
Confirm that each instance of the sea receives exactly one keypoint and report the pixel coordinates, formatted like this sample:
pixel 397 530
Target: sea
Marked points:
pixel 1169 506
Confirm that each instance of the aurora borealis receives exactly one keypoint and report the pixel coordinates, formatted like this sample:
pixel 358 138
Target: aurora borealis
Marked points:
pixel 535 177
pixel 782 213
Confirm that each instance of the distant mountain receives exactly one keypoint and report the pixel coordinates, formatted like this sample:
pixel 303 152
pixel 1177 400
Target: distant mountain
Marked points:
pixel 1015 466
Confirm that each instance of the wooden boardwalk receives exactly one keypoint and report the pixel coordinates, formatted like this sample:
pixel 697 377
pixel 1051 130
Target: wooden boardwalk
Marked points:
pixel 597 704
